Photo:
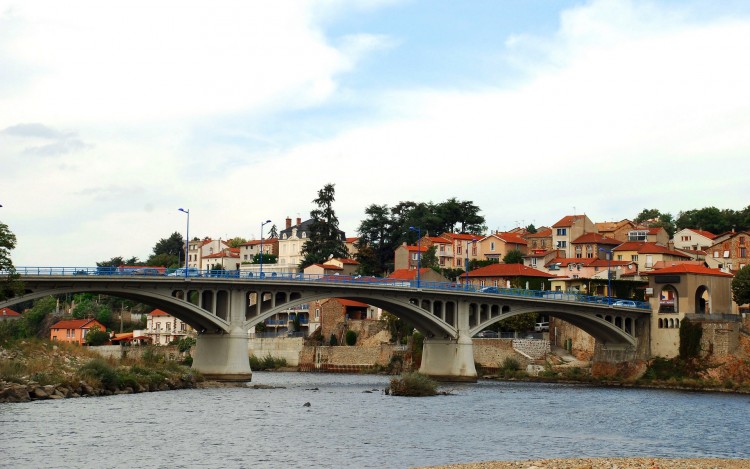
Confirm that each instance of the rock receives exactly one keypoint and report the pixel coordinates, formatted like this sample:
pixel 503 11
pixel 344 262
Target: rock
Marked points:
pixel 306 404
pixel 39 393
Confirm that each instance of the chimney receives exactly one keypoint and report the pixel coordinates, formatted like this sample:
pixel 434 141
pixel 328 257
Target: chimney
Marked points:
pixel 288 223
pixel 299 221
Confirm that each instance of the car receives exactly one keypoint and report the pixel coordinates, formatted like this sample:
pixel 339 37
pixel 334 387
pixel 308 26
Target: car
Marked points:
pixel 191 272
pixel 487 334
pixel 541 327
pixel 489 290
pixel 624 303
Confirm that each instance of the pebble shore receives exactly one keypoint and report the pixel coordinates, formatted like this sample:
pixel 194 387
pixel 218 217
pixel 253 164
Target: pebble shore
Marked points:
pixel 606 463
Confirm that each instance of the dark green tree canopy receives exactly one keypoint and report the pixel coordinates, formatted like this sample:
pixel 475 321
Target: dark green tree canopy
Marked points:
pixel 513 257
pixel 741 286
pixel 326 240
pixel 7 244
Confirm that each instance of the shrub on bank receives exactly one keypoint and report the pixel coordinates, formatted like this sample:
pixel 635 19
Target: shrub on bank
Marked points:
pixel 266 363
pixel 412 385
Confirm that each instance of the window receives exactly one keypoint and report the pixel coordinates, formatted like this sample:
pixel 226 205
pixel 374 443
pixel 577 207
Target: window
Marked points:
pixel 317 313
pixel 562 244
pixel 492 246
pixel 169 327
pixel 634 258
pixel 414 256
pixel 716 253
pixel 474 249
pixel 458 249
pixel 442 248
pixel 533 261
pixel 304 235
pixel 637 235
pixel 743 252
pixel 562 232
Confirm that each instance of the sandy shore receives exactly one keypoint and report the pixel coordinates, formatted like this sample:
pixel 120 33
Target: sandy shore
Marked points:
pixel 606 463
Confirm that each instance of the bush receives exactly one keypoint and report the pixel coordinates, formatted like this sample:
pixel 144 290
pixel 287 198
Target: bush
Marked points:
pixel 266 363
pixel 333 341
pixel 510 364
pixel 351 338
pixel 412 385
pixel 690 339
pixel 99 370
pixel 96 337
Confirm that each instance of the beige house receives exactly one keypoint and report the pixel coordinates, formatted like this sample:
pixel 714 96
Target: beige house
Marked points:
pixel 615 229
pixel 199 249
pixel 499 244
pixel 163 328
pixel 443 249
pixel 250 249
pixel 647 254
pixel 408 256
pixel 228 258
pixel 539 242
pixel 693 240
pixel 569 228
pixel 465 248
pixel 593 245
pixel 656 235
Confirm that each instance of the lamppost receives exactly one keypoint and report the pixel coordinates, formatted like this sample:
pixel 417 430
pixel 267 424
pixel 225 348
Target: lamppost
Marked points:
pixel 466 287
pixel 609 274
pixel 187 238
pixel 419 253
pixel 261 246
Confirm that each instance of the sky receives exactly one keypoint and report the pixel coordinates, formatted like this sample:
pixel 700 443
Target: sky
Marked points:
pixel 113 115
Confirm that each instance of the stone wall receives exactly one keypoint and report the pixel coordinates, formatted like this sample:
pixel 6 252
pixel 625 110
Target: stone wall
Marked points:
pixel 583 343
pixel 719 338
pixel 343 358
pixel 535 349
pixel 170 352
pixel 489 354
pixel 287 348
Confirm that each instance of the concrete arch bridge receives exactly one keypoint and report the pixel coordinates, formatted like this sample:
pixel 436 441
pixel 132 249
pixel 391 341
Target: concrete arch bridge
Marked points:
pixel 222 309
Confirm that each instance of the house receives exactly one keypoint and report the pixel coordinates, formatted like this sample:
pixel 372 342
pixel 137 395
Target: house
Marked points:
pixel 443 249
pixel 323 270
pixel 730 254
pixel 250 249
pixel 199 249
pixel 228 258
pixel 569 228
pixel 338 315
pixel 74 330
pixel 590 245
pixel 539 242
pixel 497 245
pixel 508 276
pixel 615 229
pixel 465 248
pixel 576 274
pixel 656 235
pixel 646 254
pixel 690 239
pixel 408 257
pixel 163 328
pixel 351 246
pixel 7 314
pixel 539 259
pixel 291 241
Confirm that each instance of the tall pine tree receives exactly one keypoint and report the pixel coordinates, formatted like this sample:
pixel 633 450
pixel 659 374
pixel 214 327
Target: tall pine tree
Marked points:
pixel 325 240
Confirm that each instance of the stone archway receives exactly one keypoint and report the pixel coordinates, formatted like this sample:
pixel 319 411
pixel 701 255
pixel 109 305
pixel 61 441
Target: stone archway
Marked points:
pixel 702 300
pixel 668 299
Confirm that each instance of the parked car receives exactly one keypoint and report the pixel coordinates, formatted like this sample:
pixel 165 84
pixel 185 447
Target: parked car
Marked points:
pixel 624 303
pixel 191 272
pixel 489 290
pixel 541 327
pixel 487 334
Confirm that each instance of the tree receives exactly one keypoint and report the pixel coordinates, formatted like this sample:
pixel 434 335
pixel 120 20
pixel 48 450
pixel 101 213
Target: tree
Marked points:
pixel 273 232
pixel 647 214
pixel 267 258
pixel 653 218
pixel 164 260
pixel 36 316
pixel 95 336
pixel 531 229
pixel 513 257
pixel 236 242
pixel 429 259
pixel 708 218
pixel 118 261
pixel 741 286
pixel 174 245
pixel 326 240
pixel 377 239
pixel 10 284
pixel 519 323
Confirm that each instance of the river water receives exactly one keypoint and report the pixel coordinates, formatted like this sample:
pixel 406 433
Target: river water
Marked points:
pixel 351 423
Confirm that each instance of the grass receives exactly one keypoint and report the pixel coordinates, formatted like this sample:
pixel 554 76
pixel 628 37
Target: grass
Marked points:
pixel 412 385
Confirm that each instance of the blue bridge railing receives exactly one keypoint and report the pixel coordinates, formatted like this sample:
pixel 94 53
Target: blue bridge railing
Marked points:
pixel 341 279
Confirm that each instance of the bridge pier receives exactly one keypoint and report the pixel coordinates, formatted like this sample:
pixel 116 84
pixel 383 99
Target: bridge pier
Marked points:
pixel 449 360
pixel 222 356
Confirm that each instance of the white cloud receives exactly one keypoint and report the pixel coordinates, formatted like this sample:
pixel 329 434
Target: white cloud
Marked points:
pixel 627 106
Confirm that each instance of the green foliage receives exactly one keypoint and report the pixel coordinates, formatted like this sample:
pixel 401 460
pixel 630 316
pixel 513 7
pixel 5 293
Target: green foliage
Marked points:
pixel 267 258
pixel 333 341
pixel 378 238
pixel 510 364
pixel 169 261
pixel 172 246
pixel 184 344
pixel 36 316
pixel 118 261
pixel 690 339
pixel 266 363
pixel 397 327
pixel 99 370
pixel 479 263
pixel 531 228
pixel 519 323
pixel 238 241
pixel 153 356
pixel 513 257
pixel 326 239
pixel 412 385
pixel 452 274
pixel 12 330
pixel 662 369
pixel 741 286
pixel 429 259
pixel 96 337
pixel 350 338
pixel 7 244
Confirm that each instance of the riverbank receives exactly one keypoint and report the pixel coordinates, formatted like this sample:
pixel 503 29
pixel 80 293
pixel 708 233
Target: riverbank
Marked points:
pixel 606 463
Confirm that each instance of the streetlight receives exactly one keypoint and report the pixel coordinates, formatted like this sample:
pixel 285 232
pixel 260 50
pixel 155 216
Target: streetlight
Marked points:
pixel 466 287
pixel 187 238
pixel 261 246
pixel 419 252
pixel 609 274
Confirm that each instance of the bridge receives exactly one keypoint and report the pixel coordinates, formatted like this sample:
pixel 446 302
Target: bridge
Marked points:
pixel 223 305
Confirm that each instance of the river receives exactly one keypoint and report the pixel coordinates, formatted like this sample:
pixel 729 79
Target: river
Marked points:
pixel 350 422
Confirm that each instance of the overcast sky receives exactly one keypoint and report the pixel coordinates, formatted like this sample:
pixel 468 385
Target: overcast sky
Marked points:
pixel 115 114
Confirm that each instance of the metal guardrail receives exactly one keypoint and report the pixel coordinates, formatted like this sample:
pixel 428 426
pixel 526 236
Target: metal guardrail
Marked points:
pixel 337 279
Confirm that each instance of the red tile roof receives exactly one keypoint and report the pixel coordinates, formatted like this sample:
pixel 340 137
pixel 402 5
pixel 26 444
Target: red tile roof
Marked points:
pixel 643 247
pixel 416 248
pixel 437 239
pixel 665 264
pixel 511 238
pixel 352 240
pixel 158 312
pixel 688 269
pixel 541 233
pixel 566 221
pixel 704 233
pixel 461 236
pixel 590 238
pixel 329 266
pixel 9 312
pixel 508 270
pixel 347 261
pixel 351 303
pixel 75 324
